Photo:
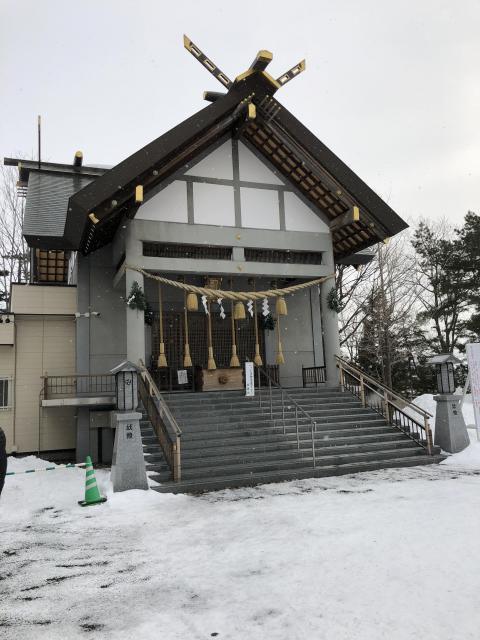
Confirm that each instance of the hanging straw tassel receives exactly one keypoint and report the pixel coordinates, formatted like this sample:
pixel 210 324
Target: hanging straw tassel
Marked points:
pixel 281 306
pixel 257 359
pixel 239 311
pixel 234 361
pixel 192 302
pixel 187 360
pixel 279 359
pixel 211 366
pixel 162 360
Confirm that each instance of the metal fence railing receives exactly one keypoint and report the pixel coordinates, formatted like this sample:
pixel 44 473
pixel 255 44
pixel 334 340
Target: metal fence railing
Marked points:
pixel 77 385
pixel 314 375
pixel 397 410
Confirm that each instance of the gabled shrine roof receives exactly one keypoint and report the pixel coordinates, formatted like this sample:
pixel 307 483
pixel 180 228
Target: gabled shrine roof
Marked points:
pixel 105 196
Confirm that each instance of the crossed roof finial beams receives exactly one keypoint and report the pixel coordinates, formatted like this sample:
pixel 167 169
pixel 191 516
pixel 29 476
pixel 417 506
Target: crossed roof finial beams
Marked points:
pixel 262 60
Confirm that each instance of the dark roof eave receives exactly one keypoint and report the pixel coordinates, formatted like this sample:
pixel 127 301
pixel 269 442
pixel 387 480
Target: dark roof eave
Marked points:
pixel 163 147
pixel 25 166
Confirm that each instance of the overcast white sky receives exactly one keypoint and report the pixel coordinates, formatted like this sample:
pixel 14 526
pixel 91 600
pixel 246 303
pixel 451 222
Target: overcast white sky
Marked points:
pixel 391 87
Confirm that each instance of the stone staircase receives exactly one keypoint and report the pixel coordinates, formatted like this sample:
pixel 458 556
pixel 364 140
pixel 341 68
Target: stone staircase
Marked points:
pixel 229 440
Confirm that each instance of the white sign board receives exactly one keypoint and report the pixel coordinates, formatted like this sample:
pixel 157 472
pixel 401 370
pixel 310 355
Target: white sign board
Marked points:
pixel 182 376
pixel 473 356
pixel 249 379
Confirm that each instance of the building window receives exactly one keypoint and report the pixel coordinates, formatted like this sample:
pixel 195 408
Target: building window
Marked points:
pixel 194 251
pixel 282 256
pixel 5 388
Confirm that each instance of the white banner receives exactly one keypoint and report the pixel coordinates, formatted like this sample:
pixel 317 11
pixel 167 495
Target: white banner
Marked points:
pixel 182 376
pixel 473 356
pixel 249 379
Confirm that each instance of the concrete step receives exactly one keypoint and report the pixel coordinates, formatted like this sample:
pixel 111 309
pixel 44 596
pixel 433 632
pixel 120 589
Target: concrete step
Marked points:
pixel 289 410
pixel 242 480
pixel 215 440
pixel 199 402
pixel 217 430
pixel 245 446
pixel 283 457
pixel 221 468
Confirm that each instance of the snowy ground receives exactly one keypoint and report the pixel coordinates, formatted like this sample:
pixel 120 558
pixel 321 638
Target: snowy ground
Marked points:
pixel 389 554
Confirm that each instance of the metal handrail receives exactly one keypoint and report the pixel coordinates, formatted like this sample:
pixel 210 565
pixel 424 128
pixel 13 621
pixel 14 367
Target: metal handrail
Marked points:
pixel 416 407
pixel 387 403
pixel 313 424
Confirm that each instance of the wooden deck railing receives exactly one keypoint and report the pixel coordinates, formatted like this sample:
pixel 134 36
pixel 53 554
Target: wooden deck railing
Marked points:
pixel 397 410
pixel 164 424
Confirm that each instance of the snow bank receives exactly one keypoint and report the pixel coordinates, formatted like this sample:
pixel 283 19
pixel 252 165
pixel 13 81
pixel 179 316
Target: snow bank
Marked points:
pixel 386 554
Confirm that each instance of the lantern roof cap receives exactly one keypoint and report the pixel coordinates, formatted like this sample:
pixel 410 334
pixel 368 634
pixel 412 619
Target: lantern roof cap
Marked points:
pixel 444 358
pixel 124 366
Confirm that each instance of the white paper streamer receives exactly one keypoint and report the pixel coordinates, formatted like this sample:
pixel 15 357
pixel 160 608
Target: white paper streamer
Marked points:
pixel 204 302
pixel 265 307
pixel 222 310
pixel 250 308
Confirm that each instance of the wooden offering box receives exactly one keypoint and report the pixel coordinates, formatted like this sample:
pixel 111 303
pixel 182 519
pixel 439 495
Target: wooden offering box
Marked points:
pixel 222 379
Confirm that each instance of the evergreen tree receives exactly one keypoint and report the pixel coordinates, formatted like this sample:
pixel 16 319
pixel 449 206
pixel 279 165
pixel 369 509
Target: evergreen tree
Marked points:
pixel 442 286
pixel 468 251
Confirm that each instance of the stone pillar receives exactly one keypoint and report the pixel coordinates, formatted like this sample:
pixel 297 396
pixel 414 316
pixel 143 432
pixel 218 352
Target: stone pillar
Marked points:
pixel 450 431
pixel 128 464
pixel 331 336
pixel 135 322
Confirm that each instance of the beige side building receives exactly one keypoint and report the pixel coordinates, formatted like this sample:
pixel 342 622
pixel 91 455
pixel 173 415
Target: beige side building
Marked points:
pixel 36 337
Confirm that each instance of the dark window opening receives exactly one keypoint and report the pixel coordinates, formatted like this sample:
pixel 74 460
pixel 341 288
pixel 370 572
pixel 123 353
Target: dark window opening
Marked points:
pixel 283 256
pixel 4 393
pixel 195 251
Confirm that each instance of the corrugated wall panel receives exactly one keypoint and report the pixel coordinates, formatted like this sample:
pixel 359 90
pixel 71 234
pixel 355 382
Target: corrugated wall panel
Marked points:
pixel 47 199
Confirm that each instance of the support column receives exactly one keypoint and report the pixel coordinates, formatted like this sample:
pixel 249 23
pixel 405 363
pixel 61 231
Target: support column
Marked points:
pixel 82 357
pixel 331 336
pixel 135 321
pixel 318 355
pixel 83 434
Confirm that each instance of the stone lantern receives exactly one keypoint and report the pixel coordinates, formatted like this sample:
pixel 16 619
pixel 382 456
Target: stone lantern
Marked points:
pixel 450 430
pixel 126 386
pixel 128 463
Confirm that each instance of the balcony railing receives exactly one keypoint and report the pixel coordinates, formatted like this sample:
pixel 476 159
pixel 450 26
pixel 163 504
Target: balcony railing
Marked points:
pixel 77 386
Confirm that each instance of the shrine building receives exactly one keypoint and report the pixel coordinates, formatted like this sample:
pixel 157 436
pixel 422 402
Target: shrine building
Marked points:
pixel 213 245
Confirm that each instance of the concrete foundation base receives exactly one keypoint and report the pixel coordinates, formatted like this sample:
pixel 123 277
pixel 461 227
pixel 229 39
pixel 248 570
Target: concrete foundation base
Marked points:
pixel 450 430
pixel 128 464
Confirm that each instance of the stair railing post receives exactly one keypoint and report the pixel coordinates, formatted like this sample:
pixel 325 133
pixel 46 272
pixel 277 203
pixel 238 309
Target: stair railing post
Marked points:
pixel 362 391
pixel 258 384
pixel 385 402
pixel 314 428
pixel 271 399
pixel 342 378
pixel 428 435
pixel 296 425
pixel 177 465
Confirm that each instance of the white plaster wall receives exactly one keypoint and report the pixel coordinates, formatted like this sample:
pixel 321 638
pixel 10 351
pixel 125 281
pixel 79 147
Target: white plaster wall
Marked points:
pixel 217 164
pixel 254 170
pixel 299 217
pixel 260 208
pixel 213 204
pixel 169 205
